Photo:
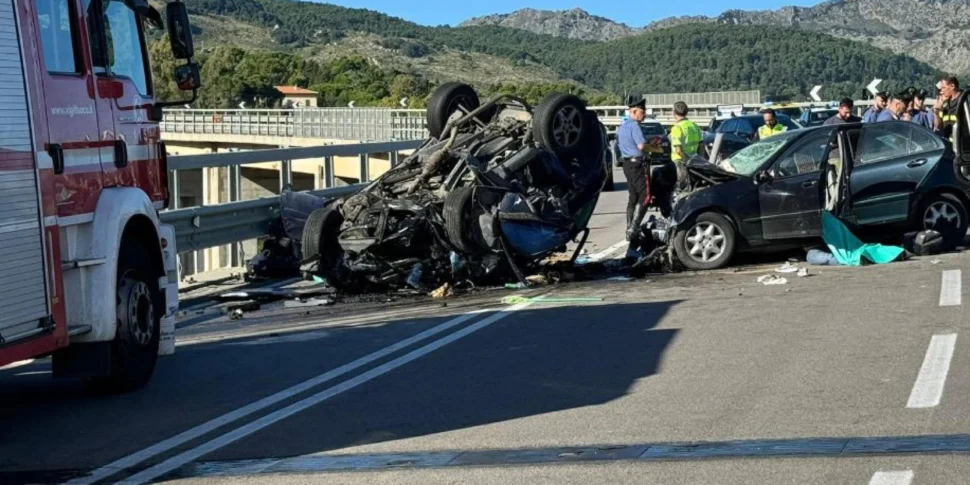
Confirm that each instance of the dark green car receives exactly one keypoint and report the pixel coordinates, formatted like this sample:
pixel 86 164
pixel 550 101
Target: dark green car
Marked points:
pixel 882 179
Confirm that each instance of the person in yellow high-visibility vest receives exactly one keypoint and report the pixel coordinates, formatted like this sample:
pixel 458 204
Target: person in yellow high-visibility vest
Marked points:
pixel 685 140
pixel 771 127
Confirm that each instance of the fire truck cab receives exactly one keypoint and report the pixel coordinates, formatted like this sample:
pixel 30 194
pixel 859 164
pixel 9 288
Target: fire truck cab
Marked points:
pixel 87 271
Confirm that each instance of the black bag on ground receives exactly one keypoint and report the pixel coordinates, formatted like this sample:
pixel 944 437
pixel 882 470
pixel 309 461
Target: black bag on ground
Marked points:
pixel 924 243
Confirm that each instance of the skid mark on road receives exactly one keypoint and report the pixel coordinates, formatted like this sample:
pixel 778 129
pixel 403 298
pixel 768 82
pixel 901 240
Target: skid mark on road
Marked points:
pixel 904 477
pixel 951 288
pixel 928 389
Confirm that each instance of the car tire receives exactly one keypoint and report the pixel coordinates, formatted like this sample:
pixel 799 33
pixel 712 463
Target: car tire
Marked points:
pixel 134 350
pixel 610 184
pixel 944 207
pixel 320 233
pixel 693 245
pixel 458 212
pixel 445 102
pixel 560 124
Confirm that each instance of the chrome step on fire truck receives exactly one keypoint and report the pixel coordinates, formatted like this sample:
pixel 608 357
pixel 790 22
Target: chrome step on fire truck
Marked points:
pixel 87 272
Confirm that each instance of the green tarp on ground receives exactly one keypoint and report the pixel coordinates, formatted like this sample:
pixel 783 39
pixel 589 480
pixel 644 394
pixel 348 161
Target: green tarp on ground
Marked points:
pixel 849 250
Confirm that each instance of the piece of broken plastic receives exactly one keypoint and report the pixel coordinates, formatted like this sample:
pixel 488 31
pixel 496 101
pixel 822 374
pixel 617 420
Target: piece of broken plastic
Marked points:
pixel 788 267
pixel 770 279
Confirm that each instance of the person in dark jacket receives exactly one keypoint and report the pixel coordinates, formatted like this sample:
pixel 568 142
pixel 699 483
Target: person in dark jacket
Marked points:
pixel 845 114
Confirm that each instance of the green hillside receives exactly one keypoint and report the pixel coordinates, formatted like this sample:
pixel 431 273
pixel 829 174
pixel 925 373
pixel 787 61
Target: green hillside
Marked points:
pixel 373 58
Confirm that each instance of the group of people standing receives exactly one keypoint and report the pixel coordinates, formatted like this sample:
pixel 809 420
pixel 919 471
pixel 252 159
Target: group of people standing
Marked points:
pixel 686 137
pixel 910 105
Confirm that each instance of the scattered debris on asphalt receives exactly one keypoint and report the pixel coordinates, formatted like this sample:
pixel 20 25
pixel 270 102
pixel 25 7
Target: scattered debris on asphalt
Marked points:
pixel 312 302
pixel 444 291
pixel 515 300
pixel 770 279
pixel 788 267
pixel 803 272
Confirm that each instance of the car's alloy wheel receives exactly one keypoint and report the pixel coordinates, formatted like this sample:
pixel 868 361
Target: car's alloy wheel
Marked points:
pixel 941 212
pixel 567 127
pixel 706 242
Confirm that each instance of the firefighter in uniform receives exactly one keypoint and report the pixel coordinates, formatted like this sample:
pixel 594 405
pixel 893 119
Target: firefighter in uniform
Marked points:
pixel 947 105
pixel 685 140
pixel 771 126
pixel 631 142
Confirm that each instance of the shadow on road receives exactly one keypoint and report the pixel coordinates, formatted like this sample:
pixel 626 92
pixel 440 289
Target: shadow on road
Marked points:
pixel 534 362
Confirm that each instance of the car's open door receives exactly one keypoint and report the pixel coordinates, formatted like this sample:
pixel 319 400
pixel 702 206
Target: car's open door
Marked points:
pixel 791 194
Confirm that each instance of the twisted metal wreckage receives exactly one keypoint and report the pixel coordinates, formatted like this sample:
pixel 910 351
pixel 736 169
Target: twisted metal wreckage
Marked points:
pixel 498 187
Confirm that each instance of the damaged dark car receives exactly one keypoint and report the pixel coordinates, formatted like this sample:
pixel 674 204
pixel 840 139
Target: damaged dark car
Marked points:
pixel 499 186
pixel 882 180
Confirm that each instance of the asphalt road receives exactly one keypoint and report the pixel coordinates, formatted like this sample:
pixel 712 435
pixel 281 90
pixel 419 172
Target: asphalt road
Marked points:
pixel 851 375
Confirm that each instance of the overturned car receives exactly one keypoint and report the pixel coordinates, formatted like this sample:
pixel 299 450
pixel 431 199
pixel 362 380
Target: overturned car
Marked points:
pixel 498 186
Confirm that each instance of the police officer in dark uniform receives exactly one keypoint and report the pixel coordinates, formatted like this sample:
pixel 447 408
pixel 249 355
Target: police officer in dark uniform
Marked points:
pixel 630 140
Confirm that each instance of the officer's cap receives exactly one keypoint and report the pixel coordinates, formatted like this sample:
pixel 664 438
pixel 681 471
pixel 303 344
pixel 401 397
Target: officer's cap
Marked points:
pixel 636 102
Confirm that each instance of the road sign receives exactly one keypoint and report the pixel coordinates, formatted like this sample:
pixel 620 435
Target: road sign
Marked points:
pixel 242 105
pixel 350 104
pixel 404 102
pixel 814 93
pixel 872 86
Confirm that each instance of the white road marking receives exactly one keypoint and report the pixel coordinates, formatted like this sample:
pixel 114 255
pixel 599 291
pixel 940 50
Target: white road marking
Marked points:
pixel 892 478
pixel 597 257
pixel 928 389
pixel 276 416
pixel 19 363
pixel 207 427
pixel 950 290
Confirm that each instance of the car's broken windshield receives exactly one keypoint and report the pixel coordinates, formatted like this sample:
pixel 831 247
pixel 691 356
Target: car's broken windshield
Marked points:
pixel 748 160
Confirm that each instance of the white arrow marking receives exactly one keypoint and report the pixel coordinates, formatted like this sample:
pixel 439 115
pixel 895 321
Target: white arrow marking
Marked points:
pixel 872 86
pixel 242 105
pixel 404 102
pixel 350 104
pixel 814 93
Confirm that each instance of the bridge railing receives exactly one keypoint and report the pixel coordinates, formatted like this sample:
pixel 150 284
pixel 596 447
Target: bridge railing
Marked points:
pixel 208 226
pixel 370 124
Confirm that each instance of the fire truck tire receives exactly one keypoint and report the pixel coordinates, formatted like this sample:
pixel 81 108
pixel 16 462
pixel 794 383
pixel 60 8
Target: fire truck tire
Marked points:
pixel 134 350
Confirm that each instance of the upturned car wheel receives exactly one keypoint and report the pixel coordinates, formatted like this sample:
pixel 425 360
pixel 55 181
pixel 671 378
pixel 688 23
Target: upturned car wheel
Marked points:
pixel 320 233
pixel 560 124
pixel 461 221
pixel 707 242
pixel 447 100
pixel 945 214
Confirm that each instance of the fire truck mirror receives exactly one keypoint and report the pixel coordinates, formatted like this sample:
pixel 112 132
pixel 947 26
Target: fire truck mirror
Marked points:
pixel 179 31
pixel 187 77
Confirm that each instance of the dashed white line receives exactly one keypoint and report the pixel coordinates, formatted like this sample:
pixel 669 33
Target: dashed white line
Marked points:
pixel 928 389
pixel 951 288
pixel 904 477
pixel 211 425
pixel 276 416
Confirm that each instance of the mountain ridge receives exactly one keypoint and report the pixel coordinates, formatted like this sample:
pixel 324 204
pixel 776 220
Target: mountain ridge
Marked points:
pixel 932 31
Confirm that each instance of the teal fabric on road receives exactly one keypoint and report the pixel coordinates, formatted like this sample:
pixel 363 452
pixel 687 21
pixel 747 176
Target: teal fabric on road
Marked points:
pixel 849 250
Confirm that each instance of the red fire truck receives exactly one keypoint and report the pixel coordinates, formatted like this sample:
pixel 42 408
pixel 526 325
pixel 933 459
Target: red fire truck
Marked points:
pixel 88 274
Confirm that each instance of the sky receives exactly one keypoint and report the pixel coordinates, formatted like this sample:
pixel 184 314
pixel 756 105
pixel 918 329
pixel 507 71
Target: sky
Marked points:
pixel 635 13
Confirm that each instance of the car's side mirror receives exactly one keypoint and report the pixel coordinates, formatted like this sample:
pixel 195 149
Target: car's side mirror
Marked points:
pixel 763 177
pixel 179 30
pixel 187 77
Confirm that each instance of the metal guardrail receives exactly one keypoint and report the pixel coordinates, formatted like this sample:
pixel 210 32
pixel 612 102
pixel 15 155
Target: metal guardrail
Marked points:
pixel 215 225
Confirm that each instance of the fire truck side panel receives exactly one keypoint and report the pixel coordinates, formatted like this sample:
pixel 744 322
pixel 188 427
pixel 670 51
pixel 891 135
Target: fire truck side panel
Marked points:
pixel 26 326
pixel 92 298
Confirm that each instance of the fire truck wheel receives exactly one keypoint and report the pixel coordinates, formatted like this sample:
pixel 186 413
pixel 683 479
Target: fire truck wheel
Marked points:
pixel 134 350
